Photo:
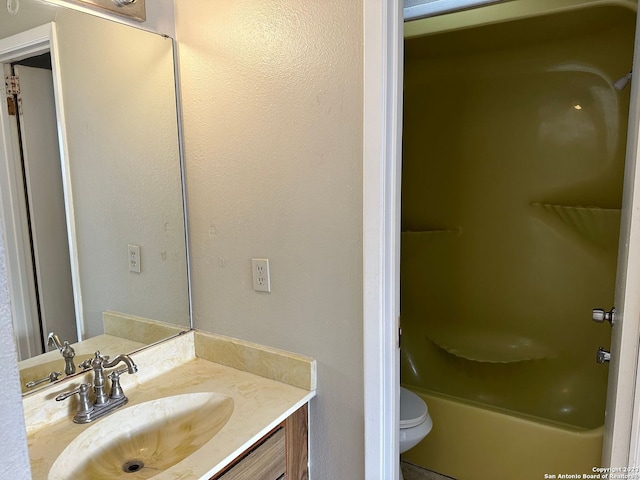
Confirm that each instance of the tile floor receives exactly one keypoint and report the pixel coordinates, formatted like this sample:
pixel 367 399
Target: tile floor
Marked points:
pixel 413 472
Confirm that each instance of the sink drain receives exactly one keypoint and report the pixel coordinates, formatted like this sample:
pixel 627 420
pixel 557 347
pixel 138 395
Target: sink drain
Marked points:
pixel 133 466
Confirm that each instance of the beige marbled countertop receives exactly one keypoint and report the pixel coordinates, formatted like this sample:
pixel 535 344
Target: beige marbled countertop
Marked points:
pixel 187 364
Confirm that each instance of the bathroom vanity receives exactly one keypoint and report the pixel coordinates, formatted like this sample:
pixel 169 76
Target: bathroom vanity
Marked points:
pixel 201 406
pixel 282 452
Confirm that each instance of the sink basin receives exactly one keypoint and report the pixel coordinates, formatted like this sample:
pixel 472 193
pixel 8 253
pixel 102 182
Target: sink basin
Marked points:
pixel 143 440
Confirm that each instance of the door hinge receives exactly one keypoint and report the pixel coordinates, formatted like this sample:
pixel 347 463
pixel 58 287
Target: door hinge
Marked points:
pixel 399 333
pixel 12 84
pixel 11 106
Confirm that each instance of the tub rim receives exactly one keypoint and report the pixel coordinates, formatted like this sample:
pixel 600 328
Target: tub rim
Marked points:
pixel 518 416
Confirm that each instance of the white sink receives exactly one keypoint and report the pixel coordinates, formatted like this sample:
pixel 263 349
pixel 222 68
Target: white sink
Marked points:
pixel 143 440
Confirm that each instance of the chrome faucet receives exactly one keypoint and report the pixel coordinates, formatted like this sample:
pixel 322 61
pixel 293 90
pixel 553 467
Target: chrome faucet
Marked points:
pixel 102 403
pixel 66 350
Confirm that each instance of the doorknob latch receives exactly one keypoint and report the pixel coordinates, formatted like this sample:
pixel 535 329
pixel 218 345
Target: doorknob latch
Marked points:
pixel 603 356
pixel 600 316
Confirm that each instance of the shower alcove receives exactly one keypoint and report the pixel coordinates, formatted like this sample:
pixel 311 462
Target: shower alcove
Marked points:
pixel 513 160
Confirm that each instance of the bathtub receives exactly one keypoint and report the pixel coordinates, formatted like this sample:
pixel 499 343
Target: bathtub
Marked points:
pixel 470 442
pixel 513 158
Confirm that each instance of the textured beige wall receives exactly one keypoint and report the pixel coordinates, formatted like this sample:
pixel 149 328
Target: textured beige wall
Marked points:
pixel 272 105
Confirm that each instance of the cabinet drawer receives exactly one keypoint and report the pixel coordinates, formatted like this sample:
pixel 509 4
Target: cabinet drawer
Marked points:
pixel 264 462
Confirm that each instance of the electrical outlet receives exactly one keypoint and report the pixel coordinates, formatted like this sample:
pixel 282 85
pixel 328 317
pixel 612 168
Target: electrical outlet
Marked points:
pixel 261 279
pixel 134 258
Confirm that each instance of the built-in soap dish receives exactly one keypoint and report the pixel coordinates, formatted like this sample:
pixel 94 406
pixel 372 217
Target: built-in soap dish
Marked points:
pixel 488 346
pixel 598 226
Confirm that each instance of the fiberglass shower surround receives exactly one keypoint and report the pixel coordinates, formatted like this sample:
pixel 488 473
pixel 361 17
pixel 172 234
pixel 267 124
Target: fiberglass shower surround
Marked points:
pixel 512 184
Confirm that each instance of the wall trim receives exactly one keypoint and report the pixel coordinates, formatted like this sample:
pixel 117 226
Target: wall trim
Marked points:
pixel 383 46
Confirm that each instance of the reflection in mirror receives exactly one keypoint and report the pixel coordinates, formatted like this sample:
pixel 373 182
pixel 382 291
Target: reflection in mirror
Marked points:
pixel 90 186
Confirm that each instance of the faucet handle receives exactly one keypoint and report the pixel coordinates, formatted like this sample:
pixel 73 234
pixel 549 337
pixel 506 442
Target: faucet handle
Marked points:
pixel 85 406
pixel 116 388
pixel 82 389
pixel 88 363
pixel 52 377
pixel 85 364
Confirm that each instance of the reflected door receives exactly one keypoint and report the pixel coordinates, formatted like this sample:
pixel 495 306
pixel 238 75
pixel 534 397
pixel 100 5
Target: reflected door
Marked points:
pixel 45 202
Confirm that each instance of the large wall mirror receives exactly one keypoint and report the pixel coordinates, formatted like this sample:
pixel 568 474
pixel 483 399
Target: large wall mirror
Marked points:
pixel 90 185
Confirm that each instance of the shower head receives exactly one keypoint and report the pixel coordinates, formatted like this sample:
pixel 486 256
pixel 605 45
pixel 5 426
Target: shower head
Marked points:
pixel 622 81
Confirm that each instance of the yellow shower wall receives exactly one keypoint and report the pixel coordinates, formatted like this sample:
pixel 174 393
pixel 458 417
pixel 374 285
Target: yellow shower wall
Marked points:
pixel 512 179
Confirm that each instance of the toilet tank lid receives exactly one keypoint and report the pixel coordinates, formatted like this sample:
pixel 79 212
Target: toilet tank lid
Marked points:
pixel 413 410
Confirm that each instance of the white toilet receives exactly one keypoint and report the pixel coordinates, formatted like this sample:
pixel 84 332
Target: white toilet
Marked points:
pixel 415 421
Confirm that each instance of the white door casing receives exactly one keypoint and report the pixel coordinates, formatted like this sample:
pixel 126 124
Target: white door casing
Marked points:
pixel 622 422
pixel 21 283
pixel 382 144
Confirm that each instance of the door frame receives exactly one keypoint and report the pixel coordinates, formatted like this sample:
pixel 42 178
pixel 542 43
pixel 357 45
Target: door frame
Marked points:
pixel 382 134
pixel 35 41
pixel 382 144
pixel 19 260
pixel 625 421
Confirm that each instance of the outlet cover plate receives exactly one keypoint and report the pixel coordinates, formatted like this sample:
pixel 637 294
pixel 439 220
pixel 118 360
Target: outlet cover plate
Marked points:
pixel 261 277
